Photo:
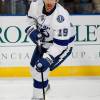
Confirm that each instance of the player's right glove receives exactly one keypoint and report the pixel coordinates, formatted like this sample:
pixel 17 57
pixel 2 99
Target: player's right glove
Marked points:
pixel 29 29
pixel 33 33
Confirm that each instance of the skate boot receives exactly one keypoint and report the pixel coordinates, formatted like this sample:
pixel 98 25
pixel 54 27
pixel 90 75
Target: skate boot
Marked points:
pixel 46 91
pixel 47 88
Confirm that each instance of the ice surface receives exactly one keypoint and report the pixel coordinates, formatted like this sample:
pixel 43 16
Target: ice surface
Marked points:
pixel 61 89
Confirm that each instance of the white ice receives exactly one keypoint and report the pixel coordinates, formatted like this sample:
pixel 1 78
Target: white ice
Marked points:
pixel 61 89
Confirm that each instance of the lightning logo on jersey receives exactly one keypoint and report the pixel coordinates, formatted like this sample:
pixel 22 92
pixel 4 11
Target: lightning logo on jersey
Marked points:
pixel 60 18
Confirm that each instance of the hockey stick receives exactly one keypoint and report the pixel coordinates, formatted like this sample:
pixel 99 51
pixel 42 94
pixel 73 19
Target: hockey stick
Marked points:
pixel 42 78
pixel 39 48
pixel 43 85
pixel 39 25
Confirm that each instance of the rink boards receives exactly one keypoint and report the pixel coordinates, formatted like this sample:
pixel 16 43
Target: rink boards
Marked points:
pixel 16 48
pixel 64 71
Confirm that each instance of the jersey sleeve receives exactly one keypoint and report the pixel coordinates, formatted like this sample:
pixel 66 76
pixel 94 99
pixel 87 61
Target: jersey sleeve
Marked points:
pixel 63 35
pixel 32 13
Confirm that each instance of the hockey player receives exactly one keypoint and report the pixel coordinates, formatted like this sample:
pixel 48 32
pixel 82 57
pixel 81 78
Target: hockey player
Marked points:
pixel 50 29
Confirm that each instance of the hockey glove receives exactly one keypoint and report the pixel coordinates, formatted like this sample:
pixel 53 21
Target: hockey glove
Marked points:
pixel 44 63
pixel 33 33
pixel 30 29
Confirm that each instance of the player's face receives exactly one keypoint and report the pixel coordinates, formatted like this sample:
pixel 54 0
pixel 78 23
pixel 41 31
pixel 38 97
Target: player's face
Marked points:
pixel 49 4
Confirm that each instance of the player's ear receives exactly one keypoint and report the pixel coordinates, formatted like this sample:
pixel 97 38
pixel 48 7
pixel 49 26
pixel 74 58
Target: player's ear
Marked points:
pixel 57 0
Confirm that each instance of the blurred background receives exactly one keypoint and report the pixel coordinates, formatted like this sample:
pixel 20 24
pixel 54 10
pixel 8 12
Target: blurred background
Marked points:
pixel 77 79
pixel 73 6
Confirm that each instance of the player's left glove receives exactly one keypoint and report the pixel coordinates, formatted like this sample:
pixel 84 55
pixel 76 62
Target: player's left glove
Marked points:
pixel 43 63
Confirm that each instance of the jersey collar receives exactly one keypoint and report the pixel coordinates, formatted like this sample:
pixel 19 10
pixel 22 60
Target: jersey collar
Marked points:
pixel 48 13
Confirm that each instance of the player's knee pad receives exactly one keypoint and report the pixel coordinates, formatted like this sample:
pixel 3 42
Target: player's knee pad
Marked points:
pixel 37 75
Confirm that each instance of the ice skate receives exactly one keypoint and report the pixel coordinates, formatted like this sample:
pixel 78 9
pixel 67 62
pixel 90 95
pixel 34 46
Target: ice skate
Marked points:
pixel 47 88
pixel 46 91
